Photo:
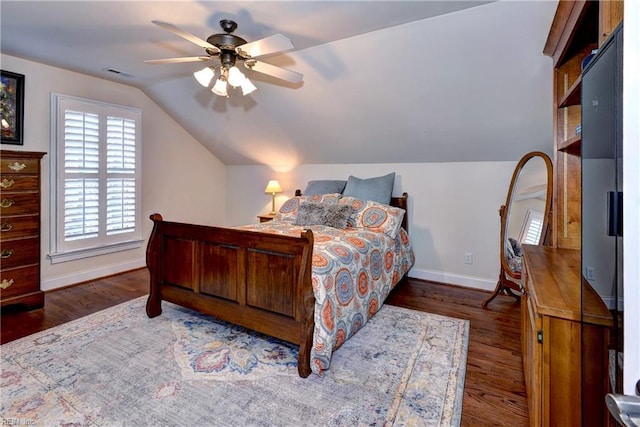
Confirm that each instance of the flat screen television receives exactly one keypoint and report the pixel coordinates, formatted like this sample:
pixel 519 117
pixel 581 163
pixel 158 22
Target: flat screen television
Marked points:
pixel 602 198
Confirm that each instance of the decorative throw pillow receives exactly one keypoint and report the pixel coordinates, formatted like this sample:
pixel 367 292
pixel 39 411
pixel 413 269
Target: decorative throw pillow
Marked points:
pixel 378 189
pixel 289 210
pixel 374 216
pixel 517 249
pixel 325 186
pixel 331 215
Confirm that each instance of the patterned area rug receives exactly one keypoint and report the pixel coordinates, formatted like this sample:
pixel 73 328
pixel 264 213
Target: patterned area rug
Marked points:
pixel 118 367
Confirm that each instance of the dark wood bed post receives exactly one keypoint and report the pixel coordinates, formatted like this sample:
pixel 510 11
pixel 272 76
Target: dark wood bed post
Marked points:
pixel 307 309
pixel 154 306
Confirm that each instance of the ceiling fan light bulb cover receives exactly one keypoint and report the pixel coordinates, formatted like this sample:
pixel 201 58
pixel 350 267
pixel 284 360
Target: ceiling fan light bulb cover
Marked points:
pixel 236 78
pixel 220 88
pixel 204 76
pixel 247 87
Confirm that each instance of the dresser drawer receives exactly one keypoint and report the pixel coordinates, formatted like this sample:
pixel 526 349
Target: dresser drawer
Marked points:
pixel 16 253
pixel 19 204
pixel 19 281
pixel 19 182
pixel 19 226
pixel 15 165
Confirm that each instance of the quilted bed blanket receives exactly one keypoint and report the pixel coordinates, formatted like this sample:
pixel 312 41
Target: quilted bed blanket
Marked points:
pixel 354 269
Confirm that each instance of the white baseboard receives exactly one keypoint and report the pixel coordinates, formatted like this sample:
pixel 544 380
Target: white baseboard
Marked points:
pixel 454 279
pixel 72 279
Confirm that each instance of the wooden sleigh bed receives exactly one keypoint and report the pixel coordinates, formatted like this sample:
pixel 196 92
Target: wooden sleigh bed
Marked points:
pixel 258 280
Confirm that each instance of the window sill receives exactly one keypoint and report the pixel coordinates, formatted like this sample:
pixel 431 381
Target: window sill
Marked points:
pixel 59 257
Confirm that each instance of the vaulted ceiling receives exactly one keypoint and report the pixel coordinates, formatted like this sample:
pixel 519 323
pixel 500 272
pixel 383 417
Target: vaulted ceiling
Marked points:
pixel 384 81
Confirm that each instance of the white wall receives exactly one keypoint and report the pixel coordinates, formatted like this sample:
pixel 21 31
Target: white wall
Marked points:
pixel 453 209
pixel 172 162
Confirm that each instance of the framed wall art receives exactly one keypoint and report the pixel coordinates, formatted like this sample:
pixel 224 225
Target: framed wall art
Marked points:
pixel 11 107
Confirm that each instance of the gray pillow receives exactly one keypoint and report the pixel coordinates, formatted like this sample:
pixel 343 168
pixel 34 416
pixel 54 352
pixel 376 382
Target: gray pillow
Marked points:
pixel 377 189
pixel 324 186
pixel 333 215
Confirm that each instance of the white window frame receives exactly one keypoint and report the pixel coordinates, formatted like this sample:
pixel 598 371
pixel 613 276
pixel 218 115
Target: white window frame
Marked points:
pixel 533 223
pixel 61 250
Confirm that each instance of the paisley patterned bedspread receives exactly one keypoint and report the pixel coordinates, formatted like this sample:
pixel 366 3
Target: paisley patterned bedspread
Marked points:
pixel 353 271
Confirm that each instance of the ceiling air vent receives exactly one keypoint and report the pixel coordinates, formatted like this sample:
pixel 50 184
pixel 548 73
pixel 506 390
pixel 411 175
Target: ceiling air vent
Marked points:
pixel 120 73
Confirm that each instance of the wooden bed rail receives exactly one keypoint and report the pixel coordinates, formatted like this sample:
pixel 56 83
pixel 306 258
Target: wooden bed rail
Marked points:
pixel 261 281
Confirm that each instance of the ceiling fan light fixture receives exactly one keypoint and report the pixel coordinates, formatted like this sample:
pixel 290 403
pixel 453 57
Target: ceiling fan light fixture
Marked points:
pixel 228 48
pixel 204 76
pixel 247 87
pixel 220 88
pixel 236 78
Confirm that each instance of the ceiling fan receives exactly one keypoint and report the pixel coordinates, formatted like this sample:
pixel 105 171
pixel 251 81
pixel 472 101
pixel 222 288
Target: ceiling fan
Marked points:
pixel 230 49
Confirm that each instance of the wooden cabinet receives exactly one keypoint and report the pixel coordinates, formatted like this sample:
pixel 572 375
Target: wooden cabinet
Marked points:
pixel 578 28
pixel 565 327
pixel 20 229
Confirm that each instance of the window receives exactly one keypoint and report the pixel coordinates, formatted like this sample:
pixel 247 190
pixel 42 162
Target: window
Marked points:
pixel 95 178
pixel 532 228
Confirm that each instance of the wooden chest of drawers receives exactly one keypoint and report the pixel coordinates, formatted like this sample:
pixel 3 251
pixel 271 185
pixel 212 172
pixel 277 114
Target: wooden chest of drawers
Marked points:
pixel 20 228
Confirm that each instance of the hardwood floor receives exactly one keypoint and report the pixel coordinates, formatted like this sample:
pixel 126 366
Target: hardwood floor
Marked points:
pixel 494 385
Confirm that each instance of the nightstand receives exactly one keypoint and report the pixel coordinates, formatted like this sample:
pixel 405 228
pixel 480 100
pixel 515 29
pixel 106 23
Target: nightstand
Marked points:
pixel 266 217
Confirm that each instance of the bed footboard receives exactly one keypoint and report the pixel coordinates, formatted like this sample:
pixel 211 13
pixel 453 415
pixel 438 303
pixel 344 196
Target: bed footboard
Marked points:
pixel 257 280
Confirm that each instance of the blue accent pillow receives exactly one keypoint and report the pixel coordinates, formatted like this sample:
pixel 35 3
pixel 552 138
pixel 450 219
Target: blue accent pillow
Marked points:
pixel 378 189
pixel 324 186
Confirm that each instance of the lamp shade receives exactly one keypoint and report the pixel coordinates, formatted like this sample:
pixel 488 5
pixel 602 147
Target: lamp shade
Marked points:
pixel 247 87
pixel 220 88
pixel 236 77
pixel 273 187
pixel 204 76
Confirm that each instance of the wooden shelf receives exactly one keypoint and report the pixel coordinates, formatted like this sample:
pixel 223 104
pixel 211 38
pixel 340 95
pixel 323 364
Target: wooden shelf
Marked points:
pixel 571 144
pixel 572 96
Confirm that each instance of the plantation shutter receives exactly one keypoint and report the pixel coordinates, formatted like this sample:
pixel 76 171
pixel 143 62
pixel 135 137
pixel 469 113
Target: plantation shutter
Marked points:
pixel 532 228
pixel 121 183
pixel 96 152
pixel 81 175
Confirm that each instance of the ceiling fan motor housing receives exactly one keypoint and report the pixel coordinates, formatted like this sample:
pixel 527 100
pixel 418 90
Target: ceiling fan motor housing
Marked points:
pixel 227 43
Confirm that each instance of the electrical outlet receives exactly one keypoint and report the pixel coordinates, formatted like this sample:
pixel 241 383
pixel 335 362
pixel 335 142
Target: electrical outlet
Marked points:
pixel 590 273
pixel 468 258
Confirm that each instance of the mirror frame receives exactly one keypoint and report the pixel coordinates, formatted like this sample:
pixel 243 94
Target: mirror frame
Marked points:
pixel 506 282
pixel 506 208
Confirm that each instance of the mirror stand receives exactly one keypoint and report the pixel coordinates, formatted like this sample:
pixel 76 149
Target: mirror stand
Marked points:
pixel 524 219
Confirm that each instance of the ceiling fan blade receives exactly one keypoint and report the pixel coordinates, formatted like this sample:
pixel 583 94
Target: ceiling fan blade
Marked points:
pixel 265 46
pixel 187 36
pixel 272 70
pixel 177 60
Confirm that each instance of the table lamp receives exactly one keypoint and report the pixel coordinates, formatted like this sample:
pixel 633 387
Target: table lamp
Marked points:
pixel 273 187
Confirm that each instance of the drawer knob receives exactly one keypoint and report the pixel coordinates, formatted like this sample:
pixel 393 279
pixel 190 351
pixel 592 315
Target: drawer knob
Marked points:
pixel 6 183
pixel 6 253
pixel 6 226
pixel 6 203
pixel 6 283
pixel 17 167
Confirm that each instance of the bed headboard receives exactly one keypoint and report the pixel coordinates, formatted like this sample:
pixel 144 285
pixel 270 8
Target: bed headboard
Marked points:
pixel 398 202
